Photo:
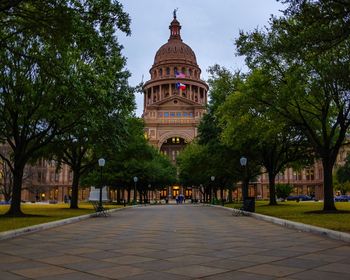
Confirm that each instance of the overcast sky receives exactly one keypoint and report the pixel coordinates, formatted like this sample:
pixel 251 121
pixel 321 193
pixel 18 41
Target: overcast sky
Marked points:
pixel 209 27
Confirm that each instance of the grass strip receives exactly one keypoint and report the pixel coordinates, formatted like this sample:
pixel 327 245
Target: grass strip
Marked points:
pixel 42 213
pixel 307 212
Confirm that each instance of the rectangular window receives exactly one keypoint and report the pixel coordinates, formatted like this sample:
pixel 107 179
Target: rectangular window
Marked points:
pixel 160 114
pixel 166 114
pixel 178 114
pixel 191 114
pixel 172 114
pixel 39 176
pixel 310 174
pixel 57 177
pixel 52 176
pixel 185 114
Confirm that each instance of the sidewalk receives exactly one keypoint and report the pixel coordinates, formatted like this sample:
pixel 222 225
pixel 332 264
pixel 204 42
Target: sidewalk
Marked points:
pixel 173 242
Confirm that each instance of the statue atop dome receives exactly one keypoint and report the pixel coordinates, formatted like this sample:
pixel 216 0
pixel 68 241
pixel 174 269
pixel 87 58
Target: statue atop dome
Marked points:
pixel 174 12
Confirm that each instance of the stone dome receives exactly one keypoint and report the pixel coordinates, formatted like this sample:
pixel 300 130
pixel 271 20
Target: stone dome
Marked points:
pixel 175 49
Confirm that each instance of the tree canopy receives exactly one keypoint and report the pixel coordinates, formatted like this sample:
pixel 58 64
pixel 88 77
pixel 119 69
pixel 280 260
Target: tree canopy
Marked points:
pixel 305 83
pixel 61 60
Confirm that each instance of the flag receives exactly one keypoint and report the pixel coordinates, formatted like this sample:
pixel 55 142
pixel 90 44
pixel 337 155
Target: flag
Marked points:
pixel 180 86
pixel 179 74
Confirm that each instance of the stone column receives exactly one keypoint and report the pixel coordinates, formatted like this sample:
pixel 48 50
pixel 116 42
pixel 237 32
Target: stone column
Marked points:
pixel 190 95
pixel 152 94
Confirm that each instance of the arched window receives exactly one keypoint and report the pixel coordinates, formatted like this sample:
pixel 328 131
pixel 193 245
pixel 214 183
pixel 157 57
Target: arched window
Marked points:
pixel 160 72
pixel 190 72
pixel 167 71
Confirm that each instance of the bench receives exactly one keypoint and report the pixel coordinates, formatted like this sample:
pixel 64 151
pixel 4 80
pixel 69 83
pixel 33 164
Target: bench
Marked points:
pixel 94 199
pixel 239 212
pixel 99 210
pixel 247 208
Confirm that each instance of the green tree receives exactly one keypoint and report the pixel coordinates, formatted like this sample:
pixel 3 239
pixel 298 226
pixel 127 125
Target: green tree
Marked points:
pixel 326 22
pixel 193 166
pixel 275 144
pixel 134 157
pixel 225 158
pixel 342 180
pixel 305 87
pixel 52 73
pixel 283 190
pixel 102 126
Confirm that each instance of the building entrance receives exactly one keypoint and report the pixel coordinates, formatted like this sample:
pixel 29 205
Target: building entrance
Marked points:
pixel 175 191
pixel 172 147
pixel 188 193
pixel 163 193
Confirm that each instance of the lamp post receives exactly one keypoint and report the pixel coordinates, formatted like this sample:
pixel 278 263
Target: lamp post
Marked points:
pixel 148 194
pixel 248 202
pixel 101 163
pixel 135 182
pixel 212 178
pixel 243 162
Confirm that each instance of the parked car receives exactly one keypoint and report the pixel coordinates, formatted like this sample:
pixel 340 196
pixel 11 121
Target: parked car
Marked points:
pixel 300 197
pixel 4 202
pixel 342 198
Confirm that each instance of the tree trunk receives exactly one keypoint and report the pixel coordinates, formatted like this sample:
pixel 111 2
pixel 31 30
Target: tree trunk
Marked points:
pixel 245 185
pixel 135 194
pixel 75 190
pixel 118 195
pixel 140 196
pixel 129 191
pixel 328 204
pixel 230 191
pixel 222 195
pixel 15 208
pixel 272 189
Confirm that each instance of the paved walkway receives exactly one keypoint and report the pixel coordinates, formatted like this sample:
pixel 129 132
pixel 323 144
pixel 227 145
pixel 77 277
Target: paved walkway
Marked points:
pixel 173 242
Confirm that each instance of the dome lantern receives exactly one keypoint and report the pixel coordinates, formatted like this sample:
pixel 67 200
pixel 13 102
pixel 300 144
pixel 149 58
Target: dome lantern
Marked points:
pixel 175 50
pixel 175 28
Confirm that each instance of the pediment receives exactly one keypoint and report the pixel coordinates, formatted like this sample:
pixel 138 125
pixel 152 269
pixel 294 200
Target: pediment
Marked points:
pixel 175 101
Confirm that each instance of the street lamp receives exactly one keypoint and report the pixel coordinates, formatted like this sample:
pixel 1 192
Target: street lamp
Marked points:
pixel 135 181
pixel 148 194
pixel 101 163
pixel 212 178
pixel 243 162
pixel 248 202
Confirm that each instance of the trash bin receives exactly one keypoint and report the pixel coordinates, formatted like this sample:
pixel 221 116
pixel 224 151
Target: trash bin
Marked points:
pixel 249 204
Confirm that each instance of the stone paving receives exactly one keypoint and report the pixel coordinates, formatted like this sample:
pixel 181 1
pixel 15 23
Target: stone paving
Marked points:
pixel 173 242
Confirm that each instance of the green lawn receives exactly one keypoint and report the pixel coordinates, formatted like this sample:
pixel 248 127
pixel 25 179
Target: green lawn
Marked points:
pixel 42 213
pixel 300 212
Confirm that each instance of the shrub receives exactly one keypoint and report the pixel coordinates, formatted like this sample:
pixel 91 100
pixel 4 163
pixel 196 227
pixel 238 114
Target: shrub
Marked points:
pixel 283 190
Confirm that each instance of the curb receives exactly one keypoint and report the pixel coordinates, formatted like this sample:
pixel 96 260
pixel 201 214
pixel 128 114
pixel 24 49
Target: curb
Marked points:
pixel 333 234
pixel 22 231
